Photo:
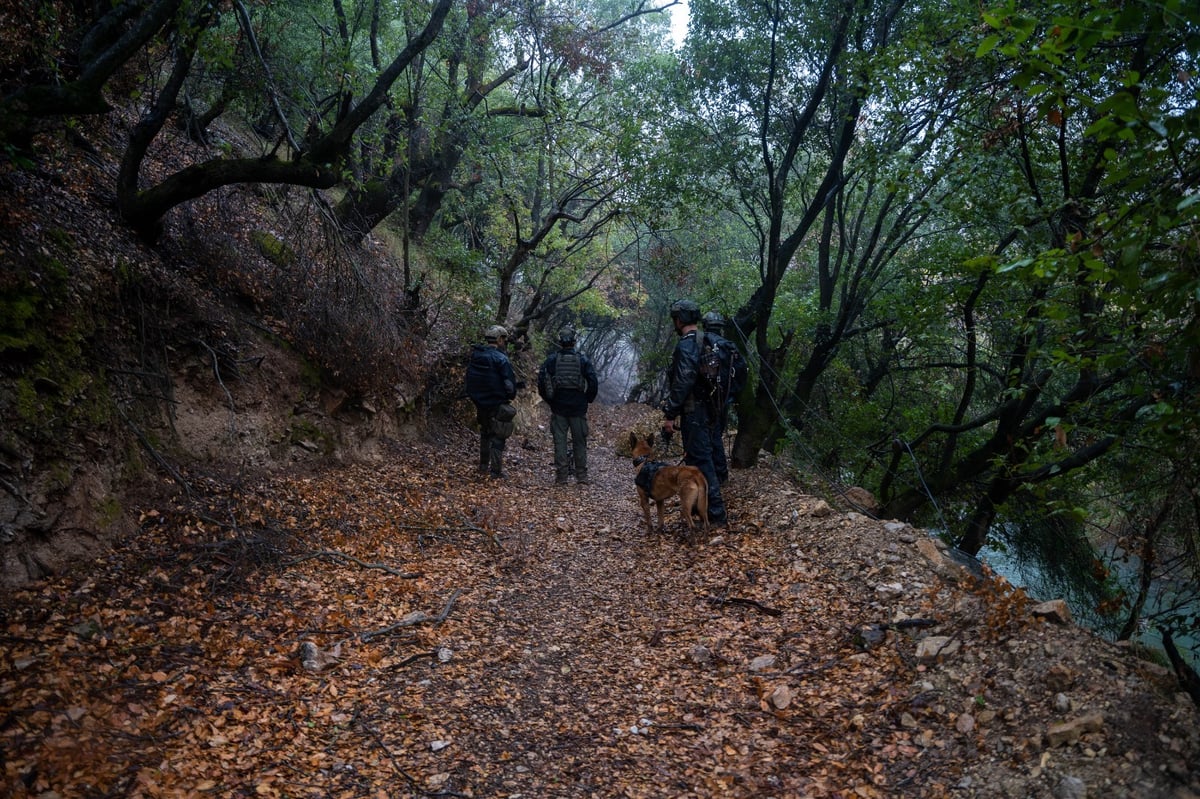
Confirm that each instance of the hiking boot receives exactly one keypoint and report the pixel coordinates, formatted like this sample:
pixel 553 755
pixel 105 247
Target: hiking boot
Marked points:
pixel 583 481
pixel 497 475
pixel 560 481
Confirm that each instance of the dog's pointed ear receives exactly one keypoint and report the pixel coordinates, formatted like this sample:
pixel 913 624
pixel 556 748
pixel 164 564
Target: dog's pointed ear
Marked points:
pixel 632 440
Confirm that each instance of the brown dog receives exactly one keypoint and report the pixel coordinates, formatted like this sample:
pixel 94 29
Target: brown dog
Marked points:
pixel 655 480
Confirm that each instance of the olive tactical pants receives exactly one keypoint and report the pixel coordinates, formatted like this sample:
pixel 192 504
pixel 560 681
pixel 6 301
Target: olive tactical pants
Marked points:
pixel 575 455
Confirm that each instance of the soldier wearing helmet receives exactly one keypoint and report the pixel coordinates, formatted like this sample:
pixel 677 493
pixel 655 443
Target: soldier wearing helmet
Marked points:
pixel 713 323
pixel 492 385
pixel 697 423
pixel 714 331
pixel 567 382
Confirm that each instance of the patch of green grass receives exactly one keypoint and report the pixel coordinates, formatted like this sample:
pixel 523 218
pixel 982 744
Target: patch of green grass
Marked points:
pixel 60 474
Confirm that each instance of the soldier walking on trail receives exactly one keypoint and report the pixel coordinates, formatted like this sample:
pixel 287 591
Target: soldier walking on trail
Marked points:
pixel 492 385
pixel 686 401
pixel 567 382
pixel 714 328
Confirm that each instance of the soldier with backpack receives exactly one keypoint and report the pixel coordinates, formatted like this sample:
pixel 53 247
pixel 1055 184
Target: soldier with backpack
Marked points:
pixel 729 371
pixel 567 382
pixel 492 385
pixel 690 400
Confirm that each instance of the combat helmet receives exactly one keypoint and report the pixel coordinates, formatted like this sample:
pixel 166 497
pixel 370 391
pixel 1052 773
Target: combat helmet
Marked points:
pixel 685 311
pixel 713 321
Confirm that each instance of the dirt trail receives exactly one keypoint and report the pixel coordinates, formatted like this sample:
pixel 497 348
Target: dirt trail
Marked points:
pixel 578 656
pixel 585 681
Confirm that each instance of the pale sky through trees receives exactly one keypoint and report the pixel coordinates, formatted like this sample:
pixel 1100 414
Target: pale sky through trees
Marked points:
pixel 679 23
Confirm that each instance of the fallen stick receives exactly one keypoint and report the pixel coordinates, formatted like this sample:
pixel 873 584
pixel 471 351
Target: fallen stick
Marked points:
pixel 735 600
pixel 334 555
pixel 414 618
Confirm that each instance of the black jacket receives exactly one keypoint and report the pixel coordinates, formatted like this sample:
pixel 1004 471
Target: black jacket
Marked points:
pixel 682 377
pixel 683 381
pixel 490 380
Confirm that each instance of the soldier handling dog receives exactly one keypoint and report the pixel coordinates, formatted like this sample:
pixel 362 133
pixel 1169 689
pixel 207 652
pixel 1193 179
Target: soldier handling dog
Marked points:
pixel 705 372
pixel 686 408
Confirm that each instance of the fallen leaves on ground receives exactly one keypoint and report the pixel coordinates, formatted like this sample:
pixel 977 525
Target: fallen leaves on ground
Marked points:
pixel 405 629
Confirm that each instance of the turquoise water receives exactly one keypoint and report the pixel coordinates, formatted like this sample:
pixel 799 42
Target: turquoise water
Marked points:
pixel 1042 585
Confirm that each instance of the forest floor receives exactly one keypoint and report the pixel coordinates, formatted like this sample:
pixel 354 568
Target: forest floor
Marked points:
pixel 406 629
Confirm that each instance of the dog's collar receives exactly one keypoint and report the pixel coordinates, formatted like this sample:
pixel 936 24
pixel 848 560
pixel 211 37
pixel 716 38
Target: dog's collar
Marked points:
pixel 639 460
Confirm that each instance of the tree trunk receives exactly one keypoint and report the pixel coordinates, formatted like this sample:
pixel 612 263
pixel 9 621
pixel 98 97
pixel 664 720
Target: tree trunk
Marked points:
pixel 756 420
pixel 320 167
pixel 144 211
pixel 975 535
pixel 365 207
pixel 976 532
pixel 1146 574
pixel 1189 680
pixel 759 418
pixel 149 126
pixel 105 48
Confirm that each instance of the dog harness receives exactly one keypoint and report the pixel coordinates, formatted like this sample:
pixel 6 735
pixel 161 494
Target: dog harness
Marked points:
pixel 644 479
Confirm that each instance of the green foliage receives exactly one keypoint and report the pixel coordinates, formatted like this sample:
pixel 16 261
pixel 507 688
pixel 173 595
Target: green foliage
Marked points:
pixel 17 157
pixel 56 393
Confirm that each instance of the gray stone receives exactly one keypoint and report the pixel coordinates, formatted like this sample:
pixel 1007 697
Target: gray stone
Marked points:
pixel 937 645
pixel 1068 732
pixel 1070 788
pixel 1055 610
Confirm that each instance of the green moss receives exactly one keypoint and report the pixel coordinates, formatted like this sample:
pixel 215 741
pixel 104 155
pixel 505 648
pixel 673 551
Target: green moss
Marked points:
pixel 127 273
pixel 273 249
pixel 53 276
pixel 108 512
pixel 54 387
pixel 133 465
pixel 60 474
pixel 34 317
pixel 17 311
pixel 61 239
pixel 305 432
pixel 310 375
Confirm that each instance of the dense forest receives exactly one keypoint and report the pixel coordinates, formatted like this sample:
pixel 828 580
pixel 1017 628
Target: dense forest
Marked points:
pixel 959 243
